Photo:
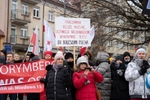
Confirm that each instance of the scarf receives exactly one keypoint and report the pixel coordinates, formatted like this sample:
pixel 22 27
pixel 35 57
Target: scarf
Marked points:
pixel 56 67
pixel 139 62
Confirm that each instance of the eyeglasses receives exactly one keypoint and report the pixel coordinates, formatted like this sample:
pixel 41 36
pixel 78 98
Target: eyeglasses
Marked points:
pixel 60 59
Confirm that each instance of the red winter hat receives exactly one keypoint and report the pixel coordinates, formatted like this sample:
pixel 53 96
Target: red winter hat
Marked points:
pixel 47 52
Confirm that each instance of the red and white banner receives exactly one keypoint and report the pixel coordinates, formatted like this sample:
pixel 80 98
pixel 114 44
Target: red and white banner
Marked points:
pixel 23 77
pixel 49 37
pixel 35 42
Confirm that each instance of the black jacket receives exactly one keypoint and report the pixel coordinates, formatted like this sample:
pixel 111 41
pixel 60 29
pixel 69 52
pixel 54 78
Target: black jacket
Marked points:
pixel 58 83
pixel 119 86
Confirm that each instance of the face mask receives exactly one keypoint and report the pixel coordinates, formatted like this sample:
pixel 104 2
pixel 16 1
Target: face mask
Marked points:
pixel 139 62
pixel 127 60
pixel 70 64
pixel 117 64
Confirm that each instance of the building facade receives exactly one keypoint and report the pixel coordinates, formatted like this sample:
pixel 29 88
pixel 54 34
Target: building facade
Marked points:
pixel 20 18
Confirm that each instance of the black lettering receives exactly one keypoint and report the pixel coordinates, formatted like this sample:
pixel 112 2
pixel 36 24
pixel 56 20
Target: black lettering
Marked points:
pixel 70 42
pixel 83 42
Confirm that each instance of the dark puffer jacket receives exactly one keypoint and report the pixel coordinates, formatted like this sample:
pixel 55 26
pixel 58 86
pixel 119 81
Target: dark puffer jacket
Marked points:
pixel 119 86
pixel 104 69
pixel 58 83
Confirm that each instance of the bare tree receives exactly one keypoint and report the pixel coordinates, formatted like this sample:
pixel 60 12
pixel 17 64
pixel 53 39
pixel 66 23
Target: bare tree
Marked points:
pixel 117 19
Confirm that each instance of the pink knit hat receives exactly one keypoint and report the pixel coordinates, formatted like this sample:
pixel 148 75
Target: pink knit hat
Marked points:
pixel 59 54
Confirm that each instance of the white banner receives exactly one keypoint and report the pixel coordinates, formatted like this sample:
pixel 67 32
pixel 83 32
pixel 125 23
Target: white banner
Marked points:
pixel 72 31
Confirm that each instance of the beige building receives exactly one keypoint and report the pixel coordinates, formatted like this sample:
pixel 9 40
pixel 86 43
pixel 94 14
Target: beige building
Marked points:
pixel 20 17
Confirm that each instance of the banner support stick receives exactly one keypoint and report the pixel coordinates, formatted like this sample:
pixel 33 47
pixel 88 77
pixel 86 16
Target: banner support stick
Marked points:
pixel 26 52
pixel 74 58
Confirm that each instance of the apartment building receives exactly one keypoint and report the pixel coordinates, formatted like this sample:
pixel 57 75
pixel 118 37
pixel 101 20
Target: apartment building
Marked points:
pixel 20 18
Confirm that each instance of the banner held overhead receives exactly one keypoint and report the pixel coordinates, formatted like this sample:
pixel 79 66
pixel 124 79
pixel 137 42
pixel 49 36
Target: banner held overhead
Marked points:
pixel 72 31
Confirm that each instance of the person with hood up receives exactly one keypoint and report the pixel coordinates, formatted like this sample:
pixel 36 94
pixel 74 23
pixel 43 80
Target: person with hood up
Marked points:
pixel 126 58
pixel 103 67
pixel 136 74
pixel 85 80
pixel 57 81
pixel 119 86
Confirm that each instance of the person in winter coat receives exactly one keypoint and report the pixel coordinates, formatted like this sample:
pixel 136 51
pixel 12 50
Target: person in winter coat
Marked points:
pixel 57 79
pixel 47 56
pixel 2 59
pixel 85 80
pixel 104 68
pixel 135 74
pixel 9 60
pixel 126 58
pixel 34 96
pixel 148 60
pixel 119 86
pixel 70 61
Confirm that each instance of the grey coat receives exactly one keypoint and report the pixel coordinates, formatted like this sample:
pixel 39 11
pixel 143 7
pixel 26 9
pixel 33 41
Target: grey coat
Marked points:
pixel 104 69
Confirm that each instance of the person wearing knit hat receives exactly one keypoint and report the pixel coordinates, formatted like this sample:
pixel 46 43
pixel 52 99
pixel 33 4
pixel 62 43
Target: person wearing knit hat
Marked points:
pixel 69 59
pixel 68 55
pixel 59 57
pixel 48 55
pixel 117 77
pixel 140 50
pixel 135 74
pixel 119 58
pixel 85 79
pixel 58 80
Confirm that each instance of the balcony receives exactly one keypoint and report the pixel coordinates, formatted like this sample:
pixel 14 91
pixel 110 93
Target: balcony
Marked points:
pixel 19 41
pixel 18 17
pixel 33 2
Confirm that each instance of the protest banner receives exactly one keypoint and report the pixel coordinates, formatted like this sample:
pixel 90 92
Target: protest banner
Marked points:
pixel 72 31
pixel 23 77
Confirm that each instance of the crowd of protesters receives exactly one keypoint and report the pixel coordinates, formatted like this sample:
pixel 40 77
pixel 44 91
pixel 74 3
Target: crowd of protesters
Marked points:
pixel 87 77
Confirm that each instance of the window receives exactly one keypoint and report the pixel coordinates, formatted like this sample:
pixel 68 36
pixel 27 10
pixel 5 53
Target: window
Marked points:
pixel 13 35
pixel 36 12
pixel 23 32
pixel 14 9
pixel 24 9
pixel 50 16
pixel 61 0
pixel 109 43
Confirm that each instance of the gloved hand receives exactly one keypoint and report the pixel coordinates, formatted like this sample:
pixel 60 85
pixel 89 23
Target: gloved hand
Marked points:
pixel 142 71
pixel 120 72
pixel 145 64
pixel 42 80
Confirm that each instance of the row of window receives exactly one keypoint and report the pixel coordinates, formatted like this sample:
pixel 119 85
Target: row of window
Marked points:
pixel 36 11
pixel 23 32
